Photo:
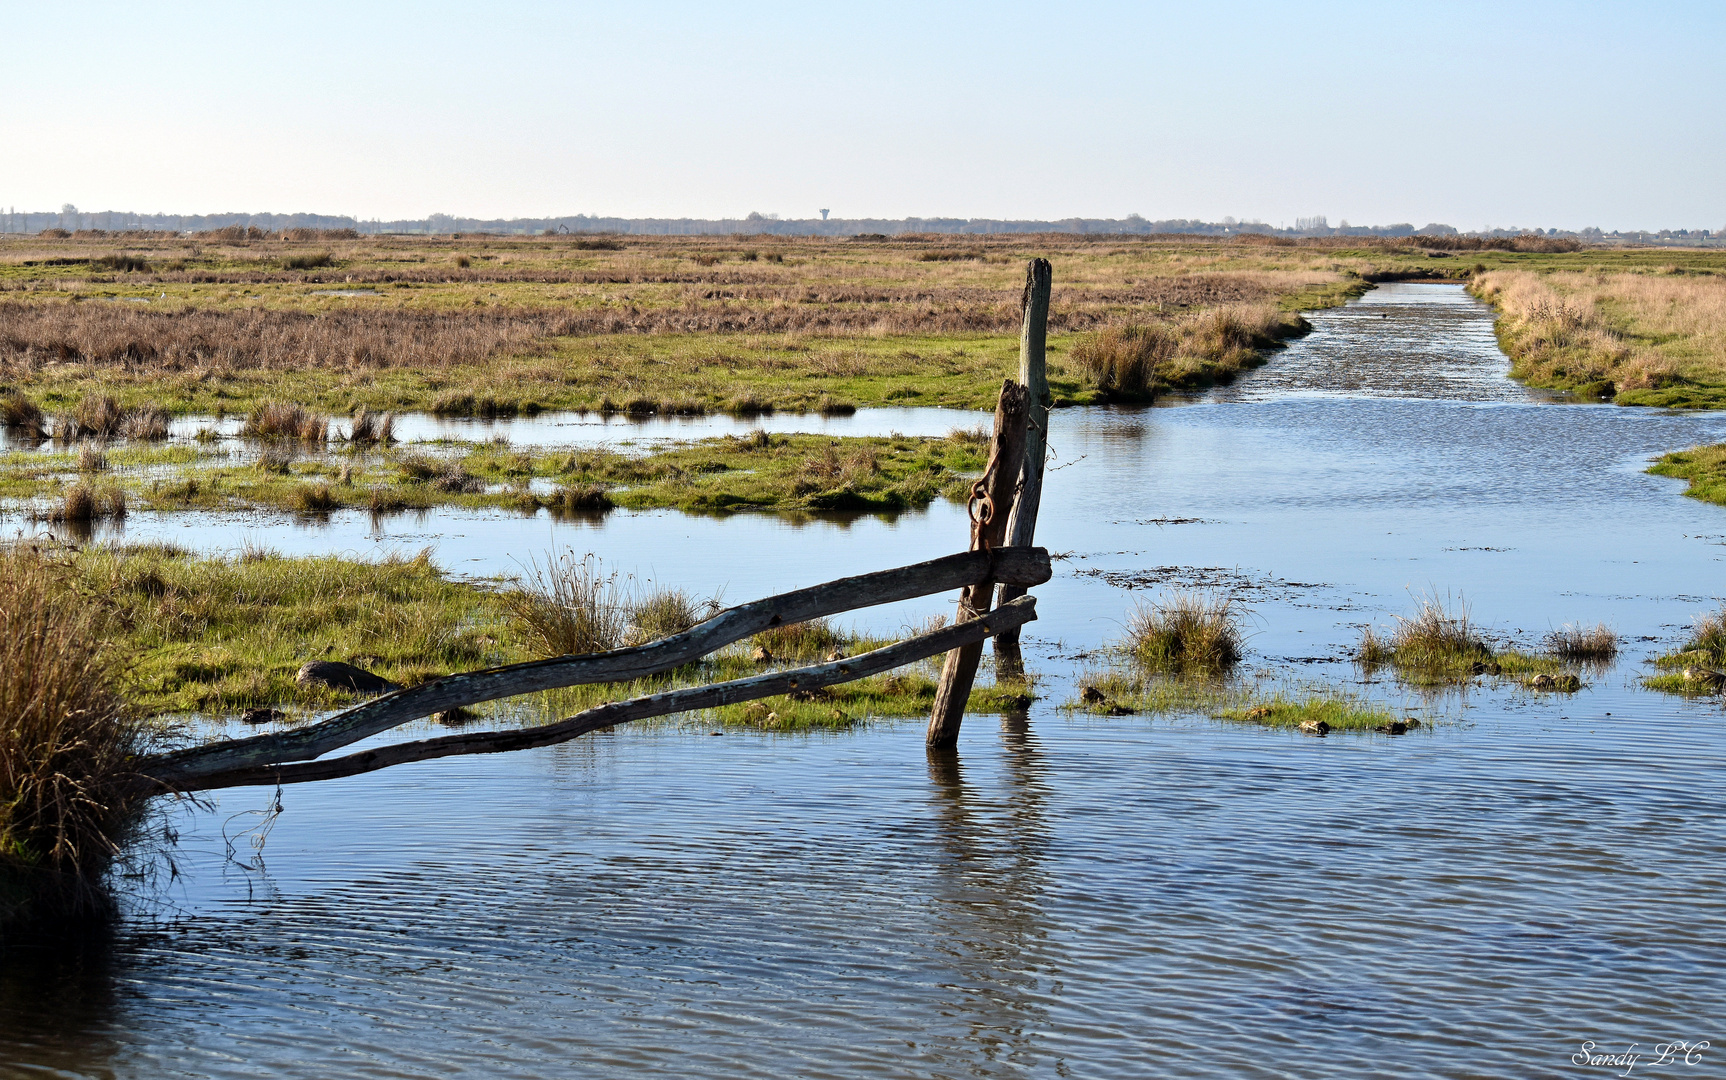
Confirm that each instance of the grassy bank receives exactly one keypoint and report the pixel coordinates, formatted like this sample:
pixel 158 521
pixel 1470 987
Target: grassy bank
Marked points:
pixel 221 635
pixel 762 472
pixel 1648 334
pixel 1703 466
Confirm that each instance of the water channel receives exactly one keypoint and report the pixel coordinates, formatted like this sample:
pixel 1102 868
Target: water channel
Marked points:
pixel 1072 895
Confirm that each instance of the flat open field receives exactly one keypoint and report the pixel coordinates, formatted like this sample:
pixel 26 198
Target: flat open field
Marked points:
pixel 471 325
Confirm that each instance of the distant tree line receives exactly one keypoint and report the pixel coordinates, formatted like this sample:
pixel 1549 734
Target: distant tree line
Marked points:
pixel 73 220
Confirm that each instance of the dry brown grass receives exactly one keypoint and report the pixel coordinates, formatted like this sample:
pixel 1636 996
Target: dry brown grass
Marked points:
pixel 286 420
pixel 67 744
pixel 19 414
pixel 1577 642
pixel 1136 360
pixel 569 606
pixel 1617 331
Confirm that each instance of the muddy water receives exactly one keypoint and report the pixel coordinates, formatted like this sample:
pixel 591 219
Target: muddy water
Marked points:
pixel 1068 895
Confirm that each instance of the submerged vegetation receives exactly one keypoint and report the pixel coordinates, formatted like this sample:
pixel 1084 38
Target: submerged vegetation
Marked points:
pixel 1312 708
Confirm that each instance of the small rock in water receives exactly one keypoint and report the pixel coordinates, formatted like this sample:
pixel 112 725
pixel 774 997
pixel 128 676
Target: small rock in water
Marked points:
pixel 262 716
pixel 340 676
pixel 1315 727
pixel 761 655
pixel 1090 695
pixel 1395 727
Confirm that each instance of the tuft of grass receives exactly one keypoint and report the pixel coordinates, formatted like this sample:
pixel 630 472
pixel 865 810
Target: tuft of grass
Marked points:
pixel 811 640
pixel 96 416
pixel 569 606
pixel 1186 630
pixel 580 499
pixel 67 746
pixel 285 420
pixel 91 459
pixel 145 422
pixel 313 499
pixel 309 261
pixel 21 415
pixel 1135 361
pixel 1573 641
pixel 372 428
pixel 83 504
pixel 663 612
pixel 1439 639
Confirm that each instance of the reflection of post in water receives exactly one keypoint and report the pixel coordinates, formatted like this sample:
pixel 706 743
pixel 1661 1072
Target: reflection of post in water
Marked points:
pixel 988 888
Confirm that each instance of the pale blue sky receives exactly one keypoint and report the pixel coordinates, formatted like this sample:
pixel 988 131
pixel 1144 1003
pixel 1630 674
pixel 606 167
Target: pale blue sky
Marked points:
pixel 1475 114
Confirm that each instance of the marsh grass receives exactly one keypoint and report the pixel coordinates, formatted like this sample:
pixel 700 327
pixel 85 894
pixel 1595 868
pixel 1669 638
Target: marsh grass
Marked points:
pixel 1185 631
pixel 569 606
pixel 21 415
pixel 1703 466
pixel 805 641
pixel 1137 360
pixel 67 746
pixel 285 420
pixel 371 428
pixel 83 504
pixel 1574 641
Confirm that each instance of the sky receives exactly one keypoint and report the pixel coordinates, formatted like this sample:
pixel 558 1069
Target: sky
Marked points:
pixel 1470 114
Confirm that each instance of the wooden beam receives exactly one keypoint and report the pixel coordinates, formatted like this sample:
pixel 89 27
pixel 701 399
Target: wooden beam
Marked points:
pixel 1011 616
pixel 185 767
pixel 991 503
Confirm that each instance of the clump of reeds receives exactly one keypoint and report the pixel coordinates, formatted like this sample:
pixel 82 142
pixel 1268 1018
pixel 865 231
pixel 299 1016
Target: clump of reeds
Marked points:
pixel 580 499
pixel 1437 636
pixel 67 747
pixel 309 261
pixel 92 459
pixel 96 416
pixel 145 422
pixel 285 420
pixel 313 499
pixel 1577 642
pixel 748 404
pixel 1122 360
pixel 21 415
pixel 1186 631
pixel 808 640
pixel 830 406
pixel 455 480
pixel 664 612
pixel 1708 636
pixel 83 504
pixel 569 606
pixel 370 427
pixel 122 263
pixel 483 406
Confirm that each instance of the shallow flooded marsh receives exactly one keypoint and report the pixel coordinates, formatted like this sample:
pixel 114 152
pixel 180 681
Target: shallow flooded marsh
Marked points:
pixel 1071 892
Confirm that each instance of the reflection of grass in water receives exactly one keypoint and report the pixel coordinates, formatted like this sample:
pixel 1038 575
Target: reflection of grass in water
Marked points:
pixel 1128 689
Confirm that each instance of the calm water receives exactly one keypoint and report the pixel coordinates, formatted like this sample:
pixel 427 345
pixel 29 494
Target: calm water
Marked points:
pixel 1067 895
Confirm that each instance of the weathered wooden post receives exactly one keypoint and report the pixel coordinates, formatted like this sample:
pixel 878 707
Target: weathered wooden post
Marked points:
pixel 991 503
pixel 1033 338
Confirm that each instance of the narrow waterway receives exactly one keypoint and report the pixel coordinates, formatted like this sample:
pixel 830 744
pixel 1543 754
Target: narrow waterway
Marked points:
pixel 1070 895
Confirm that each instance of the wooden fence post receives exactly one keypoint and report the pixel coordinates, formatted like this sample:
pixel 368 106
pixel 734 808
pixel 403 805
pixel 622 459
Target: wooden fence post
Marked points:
pixel 991 502
pixel 1033 374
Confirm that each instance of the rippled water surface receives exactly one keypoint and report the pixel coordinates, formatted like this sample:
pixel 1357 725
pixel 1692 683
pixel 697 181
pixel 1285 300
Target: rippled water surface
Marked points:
pixel 1066 895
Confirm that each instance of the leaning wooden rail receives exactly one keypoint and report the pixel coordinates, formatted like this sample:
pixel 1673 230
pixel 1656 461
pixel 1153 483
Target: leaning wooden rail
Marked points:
pixel 1007 617
pixel 190 769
